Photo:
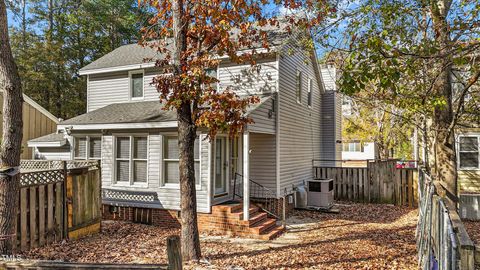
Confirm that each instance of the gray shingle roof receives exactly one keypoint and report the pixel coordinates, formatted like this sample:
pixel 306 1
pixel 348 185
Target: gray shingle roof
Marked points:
pixel 134 54
pixel 133 112
pixel 53 137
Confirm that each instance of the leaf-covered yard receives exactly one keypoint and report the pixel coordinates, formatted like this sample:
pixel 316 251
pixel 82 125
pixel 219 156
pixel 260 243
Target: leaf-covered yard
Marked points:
pixel 362 236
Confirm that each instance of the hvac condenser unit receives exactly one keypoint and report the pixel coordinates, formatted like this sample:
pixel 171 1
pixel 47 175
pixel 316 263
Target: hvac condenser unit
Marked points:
pixel 320 193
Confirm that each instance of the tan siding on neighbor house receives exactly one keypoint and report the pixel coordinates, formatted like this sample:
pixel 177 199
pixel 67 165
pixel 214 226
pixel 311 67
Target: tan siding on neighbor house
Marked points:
pixel 36 123
pixel 299 125
pixel 469 181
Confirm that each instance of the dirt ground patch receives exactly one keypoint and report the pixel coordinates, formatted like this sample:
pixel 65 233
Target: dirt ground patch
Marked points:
pixel 362 236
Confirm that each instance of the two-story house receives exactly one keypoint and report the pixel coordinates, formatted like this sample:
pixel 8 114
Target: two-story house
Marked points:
pixel 125 127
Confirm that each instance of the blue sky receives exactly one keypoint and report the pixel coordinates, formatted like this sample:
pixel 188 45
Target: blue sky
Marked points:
pixel 271 8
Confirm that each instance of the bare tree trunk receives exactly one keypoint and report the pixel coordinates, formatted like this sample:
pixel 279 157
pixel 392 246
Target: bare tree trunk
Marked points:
pixel 445 158
pixel 190 241
pixel 11 138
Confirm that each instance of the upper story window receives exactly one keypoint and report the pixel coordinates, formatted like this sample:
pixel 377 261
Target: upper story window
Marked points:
pixel 468 152
pixel 310 93
pixel 131 159
pixel 299 86
pixel 352 147
pixel 171 160
pixel 136 84
pixel 87 147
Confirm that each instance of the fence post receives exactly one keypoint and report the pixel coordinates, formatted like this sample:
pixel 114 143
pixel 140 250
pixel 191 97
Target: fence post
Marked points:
pixel 64 197
pixel 174 253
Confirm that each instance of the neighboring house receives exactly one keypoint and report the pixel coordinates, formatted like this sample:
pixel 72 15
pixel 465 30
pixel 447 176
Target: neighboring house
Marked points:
pixel 468 169
pixel 37 121
pixel 136 141
pixel 468 160
pixel 355 153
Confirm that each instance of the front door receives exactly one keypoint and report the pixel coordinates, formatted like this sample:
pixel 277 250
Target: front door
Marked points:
pixel 221 165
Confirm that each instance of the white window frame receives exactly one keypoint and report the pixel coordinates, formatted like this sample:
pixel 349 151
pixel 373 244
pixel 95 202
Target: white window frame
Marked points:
pixel 166 185
pixel 310 93
pixel 130 92
pixel 349 148
pixel 299 86
pixel 130 160
pixel 87 145
pixel 478 151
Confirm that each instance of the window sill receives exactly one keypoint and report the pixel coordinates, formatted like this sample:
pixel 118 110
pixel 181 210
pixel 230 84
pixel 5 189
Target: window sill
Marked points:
pixel 177 186
pixel 126 184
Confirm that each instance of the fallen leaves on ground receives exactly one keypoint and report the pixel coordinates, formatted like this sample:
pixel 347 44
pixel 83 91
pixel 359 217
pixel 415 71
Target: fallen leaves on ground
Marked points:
pixel 361 236
pixel 473 230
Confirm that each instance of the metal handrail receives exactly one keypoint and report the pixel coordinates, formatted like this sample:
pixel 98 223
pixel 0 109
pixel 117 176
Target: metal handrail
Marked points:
pixel 259 191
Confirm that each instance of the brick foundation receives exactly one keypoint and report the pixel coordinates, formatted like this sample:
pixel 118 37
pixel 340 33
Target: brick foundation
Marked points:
pixel 159 217
pixel 224 219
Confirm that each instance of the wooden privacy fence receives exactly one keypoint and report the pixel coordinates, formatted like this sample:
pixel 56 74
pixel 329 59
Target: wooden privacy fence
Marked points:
pixel 379 182
pixel 57 203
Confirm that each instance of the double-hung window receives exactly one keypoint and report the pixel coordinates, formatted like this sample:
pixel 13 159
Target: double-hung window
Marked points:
pixel 171 160
pixel 136 85
pixel 468 152
pixel 87 147
pixel 131 154
pixel 299 86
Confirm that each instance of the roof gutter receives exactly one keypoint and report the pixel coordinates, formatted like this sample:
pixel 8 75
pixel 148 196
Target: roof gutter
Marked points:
pixel 73 127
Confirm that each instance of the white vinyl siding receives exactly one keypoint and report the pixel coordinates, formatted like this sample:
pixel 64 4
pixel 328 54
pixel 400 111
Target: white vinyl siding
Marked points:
pixel 331 123
pixel 263 160
pixel 299 125
pixel 248 80
pixel 52 153
pixel 469 152
pixel 107 88
pixel 114 87
pixel 263 118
